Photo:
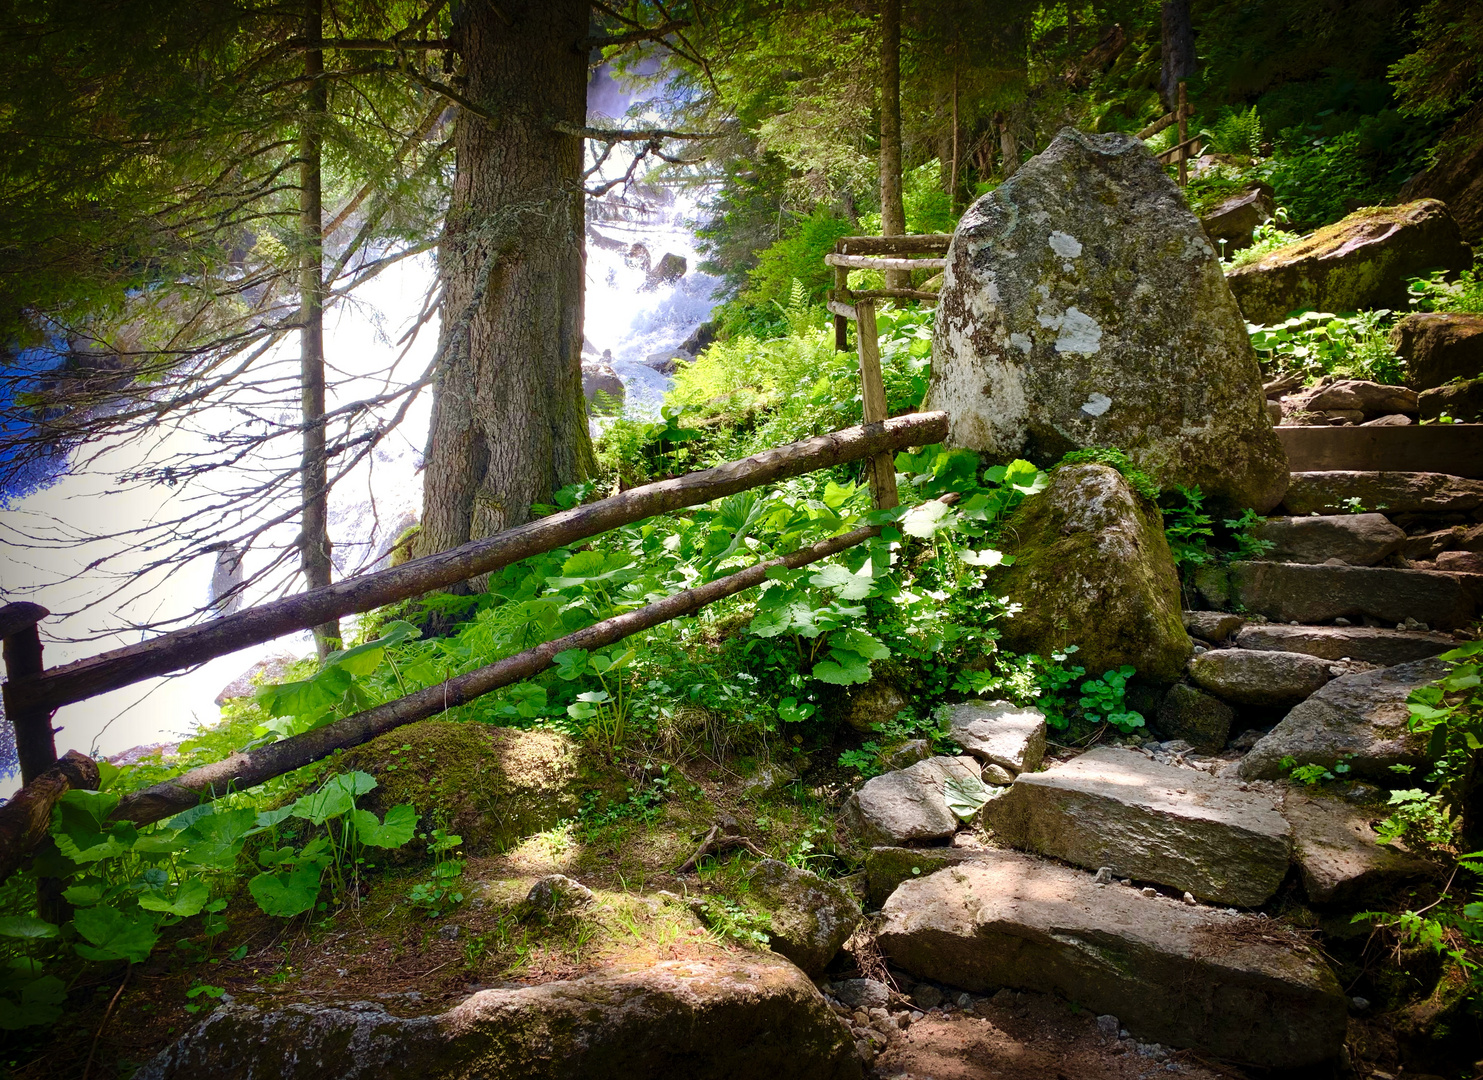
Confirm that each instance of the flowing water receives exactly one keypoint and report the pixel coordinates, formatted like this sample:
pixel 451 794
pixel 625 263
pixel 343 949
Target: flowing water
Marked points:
pixel 629 317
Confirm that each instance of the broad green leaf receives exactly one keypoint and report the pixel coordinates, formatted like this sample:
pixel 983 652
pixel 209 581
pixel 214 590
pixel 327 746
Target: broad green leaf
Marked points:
pixel 318 807
pixel 570 663
pixel 216 840
pixel 924 520
pixel 843 668
pixel 354 784
pixel 836 495
pixel 396 830
pixel 287 894
pixel 986 557
pixel 27 928
pixel 83 895
pixel 849 586
pixel 266 819
pixel 767 624
pixel 40 1003
pixel 966 795
pixel 366 657
pixel 188 900
pixel 115 935
pixel 858 641
pixel 82 830
pixel 160 842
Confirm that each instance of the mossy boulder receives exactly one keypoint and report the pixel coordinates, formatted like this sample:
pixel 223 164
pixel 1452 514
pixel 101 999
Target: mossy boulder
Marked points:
pixel 491 785
pixel 1083 306
pixel 1092 568
pixel 811 918
pixel 1363 261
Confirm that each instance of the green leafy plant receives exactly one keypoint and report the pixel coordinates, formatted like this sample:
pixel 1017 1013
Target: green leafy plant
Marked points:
pixel 1321 343
pixel 1188 529
pixel 1142 483
pixel 866 761
pixel 728 919
pixel 1314 773
pixel 1464 294
pixel 1104 700
pixel 1265 239
pixel 440 891
pixel 1236 132
pixel 1241 529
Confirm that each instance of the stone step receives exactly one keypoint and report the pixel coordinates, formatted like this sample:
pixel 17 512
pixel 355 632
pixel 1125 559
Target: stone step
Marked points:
pixel 1341 859
pixel 1260 677
pixel 1151 822
pixel 1393 492
pixel 1356 539
pixel 1302 593
pixel 1372 645
pixel 1455 449
pixel 907 806
pixel 1236 986
pixel 1360 720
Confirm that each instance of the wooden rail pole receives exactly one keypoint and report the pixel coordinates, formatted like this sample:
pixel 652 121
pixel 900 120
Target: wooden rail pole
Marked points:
pixel 35 741
pixel 882 467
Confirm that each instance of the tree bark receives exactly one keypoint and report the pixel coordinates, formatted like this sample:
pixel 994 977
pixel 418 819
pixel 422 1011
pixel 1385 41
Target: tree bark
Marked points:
pixel 1178 39
pixel 26 816
pixel 509 421
pixel 314 539
pixel 893 210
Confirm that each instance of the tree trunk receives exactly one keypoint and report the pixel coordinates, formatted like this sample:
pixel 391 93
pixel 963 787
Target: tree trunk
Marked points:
pixel 893 211
pixel 314 539
pixel 509 422
pixel 1009 147
pixel 1178 49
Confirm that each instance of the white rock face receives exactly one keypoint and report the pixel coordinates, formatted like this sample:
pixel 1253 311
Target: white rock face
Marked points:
pixel 1082 305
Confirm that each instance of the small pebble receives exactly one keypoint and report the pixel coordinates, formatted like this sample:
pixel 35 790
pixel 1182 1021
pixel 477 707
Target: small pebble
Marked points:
pixel 1104 875
pixel 1341 621
pixel 1189 898
pixel 1108 1025
pixel 964 1000
pixel 1149 890
pixel 1360 1004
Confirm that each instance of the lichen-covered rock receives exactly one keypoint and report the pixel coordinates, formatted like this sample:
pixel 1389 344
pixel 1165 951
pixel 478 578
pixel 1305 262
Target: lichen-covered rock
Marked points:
pixel 810 918
pixel 751 1017
pixel 1259 677
pixel 1363 261
pixel 1355 395
pixel 1092 568
pixel 1213 626
pixel 1359 719
pixel 1196 717
pixel 1439 346
pixel 1000 733
pixel 556 893
pixel 1234 985
pixel 876 702
pixel 908 806
pixel 494 785
pixel 1357 539
pixel 599 377
pixel 1083 305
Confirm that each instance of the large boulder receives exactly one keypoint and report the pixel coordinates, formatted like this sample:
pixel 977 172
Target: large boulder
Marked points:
pixel 1456 175
pixel 1439 347
pixel 751 1016
pixel 1360 720
pixel 1084 306
pixel 1234 985
pixel 810 918
pixel 599 377
pixel 908 806
pixel 1149 821
pixel 888 867
pixel 1363 261
pixel 1463 402
pixel 1092 568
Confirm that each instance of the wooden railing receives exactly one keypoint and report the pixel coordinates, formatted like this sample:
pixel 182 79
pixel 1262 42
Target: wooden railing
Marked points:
pixel 1186 147
pixel 32 693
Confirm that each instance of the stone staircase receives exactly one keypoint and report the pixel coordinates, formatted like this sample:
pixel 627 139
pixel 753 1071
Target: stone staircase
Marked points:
pixel 1128 879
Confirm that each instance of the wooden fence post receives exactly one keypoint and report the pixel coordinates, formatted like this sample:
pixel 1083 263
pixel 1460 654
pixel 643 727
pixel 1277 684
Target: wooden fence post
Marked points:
pixel 882 467
pixel 841 324
pixel 35 742
pixel 1183 137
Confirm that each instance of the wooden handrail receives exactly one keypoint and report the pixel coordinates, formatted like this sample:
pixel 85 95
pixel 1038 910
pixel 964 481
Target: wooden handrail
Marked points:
pixel 918 243
pixel 82 679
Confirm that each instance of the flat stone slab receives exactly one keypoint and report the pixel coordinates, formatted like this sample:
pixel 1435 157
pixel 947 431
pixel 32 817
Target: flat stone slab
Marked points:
pixel 1259 677
pixel 1341 859
pixel 907 806
pixel 1233 985
pixel 755 1017
pixel 1360 719
pixel 1357 539
pixel 1000 733
pixel 1212 625
pixel 1373 645
pixel 1293 592
pixel 1395 492
pixel 1152 822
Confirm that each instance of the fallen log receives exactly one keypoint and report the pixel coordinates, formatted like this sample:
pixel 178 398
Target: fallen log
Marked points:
pixel 26 818
pixel 111 670
pixel 248 768
pixel 868 262
pixel 893 245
